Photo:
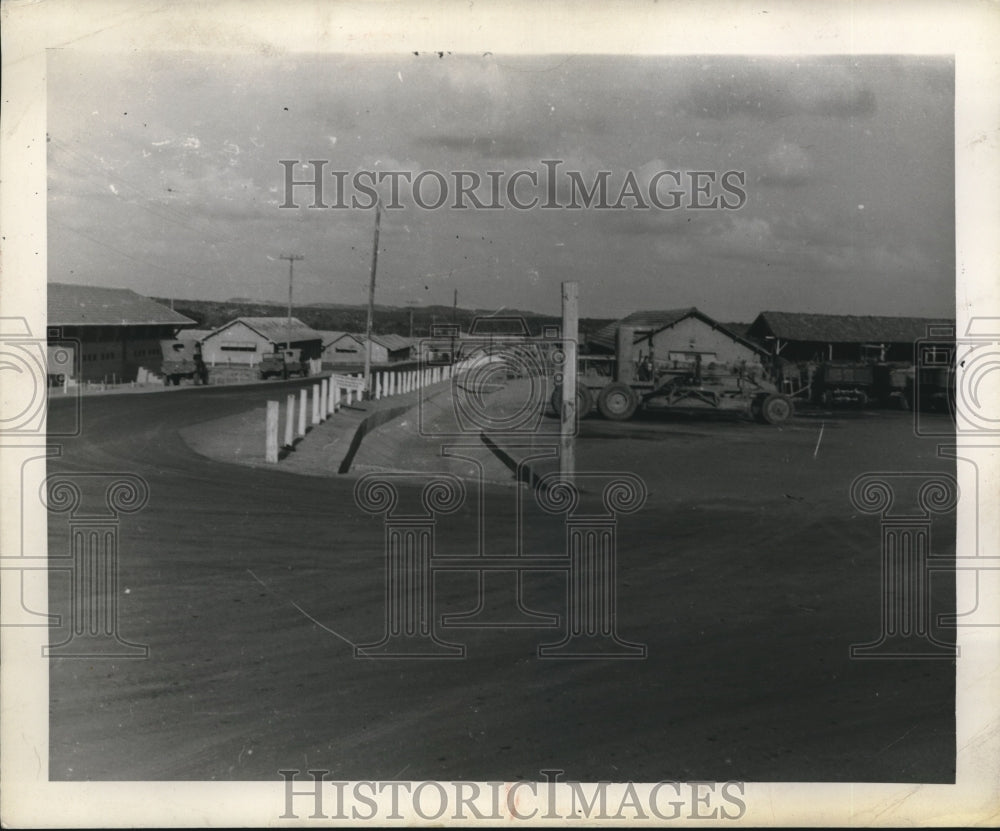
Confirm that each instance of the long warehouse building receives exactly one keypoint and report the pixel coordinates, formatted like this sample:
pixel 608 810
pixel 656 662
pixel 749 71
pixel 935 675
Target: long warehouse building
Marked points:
pixel 113 332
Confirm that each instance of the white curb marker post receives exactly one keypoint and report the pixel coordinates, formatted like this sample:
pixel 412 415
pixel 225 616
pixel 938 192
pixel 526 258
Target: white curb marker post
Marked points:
pixel 315 405
pixel 271 433
pixel 324 393
pixel 570 325
pixel 302 413
pixel 331 407
pixel 378 386
pixel 290 421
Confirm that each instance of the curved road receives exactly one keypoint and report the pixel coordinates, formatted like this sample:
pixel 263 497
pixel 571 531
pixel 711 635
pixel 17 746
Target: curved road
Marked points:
pixel 747 576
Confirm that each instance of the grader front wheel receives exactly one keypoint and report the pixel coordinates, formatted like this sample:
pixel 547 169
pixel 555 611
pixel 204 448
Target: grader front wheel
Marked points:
pixel 776 409
pixel 618 402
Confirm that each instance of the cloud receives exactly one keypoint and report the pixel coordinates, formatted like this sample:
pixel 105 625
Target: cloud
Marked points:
pixel 780 89
pixel 787 164
pixel 481 146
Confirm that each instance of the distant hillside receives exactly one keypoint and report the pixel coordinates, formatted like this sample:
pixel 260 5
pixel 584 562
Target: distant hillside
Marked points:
pixel 388 320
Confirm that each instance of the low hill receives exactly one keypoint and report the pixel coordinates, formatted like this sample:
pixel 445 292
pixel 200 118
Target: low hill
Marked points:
pixel 388 320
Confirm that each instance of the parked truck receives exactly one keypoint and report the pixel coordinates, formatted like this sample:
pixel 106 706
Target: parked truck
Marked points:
pixel 182 361
pixel 283 363
pixel 844 383
pixel 618 386
pixel 873 383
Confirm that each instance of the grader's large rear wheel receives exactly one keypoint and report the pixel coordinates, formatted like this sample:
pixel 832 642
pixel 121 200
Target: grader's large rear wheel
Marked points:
pixel 618 402
pixel 776 409
pixel 584 401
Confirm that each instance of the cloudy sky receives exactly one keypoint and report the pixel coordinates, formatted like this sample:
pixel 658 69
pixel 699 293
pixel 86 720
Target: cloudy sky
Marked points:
pixel 165 177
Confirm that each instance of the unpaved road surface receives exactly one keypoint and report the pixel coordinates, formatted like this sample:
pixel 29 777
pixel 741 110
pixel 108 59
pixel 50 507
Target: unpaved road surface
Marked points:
pixel 747 575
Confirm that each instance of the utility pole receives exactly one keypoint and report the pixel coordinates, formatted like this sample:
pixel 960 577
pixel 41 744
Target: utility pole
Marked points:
pixel 568 425
pixel 371 300
pixel 411 304
pixel 454 322
pixel 291 263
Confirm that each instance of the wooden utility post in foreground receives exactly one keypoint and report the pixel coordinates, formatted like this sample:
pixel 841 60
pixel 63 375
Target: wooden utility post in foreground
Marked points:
pixel 567 427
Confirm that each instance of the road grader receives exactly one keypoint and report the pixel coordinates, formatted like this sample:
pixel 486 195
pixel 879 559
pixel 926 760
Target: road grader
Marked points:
pixel 620 385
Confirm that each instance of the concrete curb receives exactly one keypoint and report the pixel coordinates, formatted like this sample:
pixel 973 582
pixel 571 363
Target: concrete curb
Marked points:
pixel 375 420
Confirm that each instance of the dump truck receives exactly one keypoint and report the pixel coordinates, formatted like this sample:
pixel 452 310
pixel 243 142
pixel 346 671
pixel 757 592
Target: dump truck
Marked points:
pixel 618 386
pixel 182 361
pixel 844 383
pixel 283 363
pixel 861 383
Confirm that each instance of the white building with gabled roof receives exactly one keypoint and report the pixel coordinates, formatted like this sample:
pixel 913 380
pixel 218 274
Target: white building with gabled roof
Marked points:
pixel 246 340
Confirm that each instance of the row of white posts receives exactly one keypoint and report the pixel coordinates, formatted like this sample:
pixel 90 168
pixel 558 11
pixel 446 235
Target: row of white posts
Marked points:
pixel 385 384
pixel 310 406
pixel 326 400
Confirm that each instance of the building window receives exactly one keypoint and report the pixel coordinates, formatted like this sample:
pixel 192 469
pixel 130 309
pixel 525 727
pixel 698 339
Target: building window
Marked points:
pixel 238 347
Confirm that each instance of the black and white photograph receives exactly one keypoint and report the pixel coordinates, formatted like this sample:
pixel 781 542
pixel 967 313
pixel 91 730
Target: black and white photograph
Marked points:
pixel 406 423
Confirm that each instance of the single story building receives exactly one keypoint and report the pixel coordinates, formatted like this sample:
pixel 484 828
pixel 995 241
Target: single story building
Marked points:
pixel 676 338
pixel 802 337
pixel 246 340
pixel 116 331
pixel 193 335
pixel 349 348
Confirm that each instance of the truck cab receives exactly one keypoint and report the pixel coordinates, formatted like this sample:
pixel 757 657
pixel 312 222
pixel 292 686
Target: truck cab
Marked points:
pixel 283 363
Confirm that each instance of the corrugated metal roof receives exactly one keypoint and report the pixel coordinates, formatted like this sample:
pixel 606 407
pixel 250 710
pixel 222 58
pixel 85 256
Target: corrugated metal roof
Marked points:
pixel 329 336
pixel 275 329
pixel 741 329
pixel 393 343
pixel 822 328
pixel 194 334
pixel 657 321
pixel 605 336
pixel 72 305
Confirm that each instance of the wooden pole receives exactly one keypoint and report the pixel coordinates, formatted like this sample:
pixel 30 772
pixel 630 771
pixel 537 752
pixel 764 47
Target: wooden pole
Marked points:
pixel 567 431
pixel 271 433
pixel 291 264
pixel 371 297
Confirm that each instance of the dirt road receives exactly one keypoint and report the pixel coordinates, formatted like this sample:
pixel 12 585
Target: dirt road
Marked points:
pixel 747 575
